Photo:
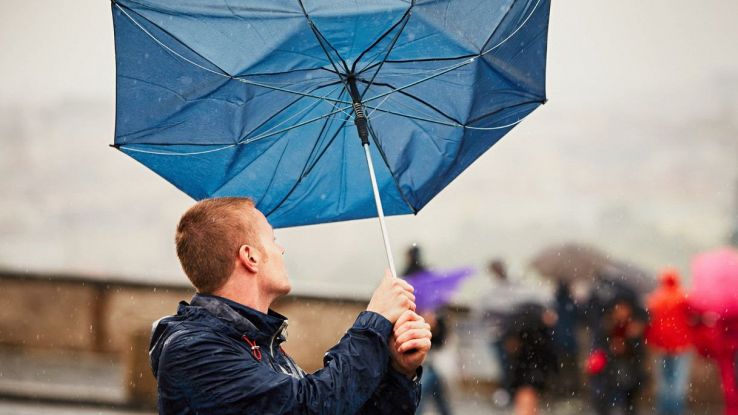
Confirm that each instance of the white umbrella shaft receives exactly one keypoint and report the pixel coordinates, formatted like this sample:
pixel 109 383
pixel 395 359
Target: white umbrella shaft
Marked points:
pixel 380 211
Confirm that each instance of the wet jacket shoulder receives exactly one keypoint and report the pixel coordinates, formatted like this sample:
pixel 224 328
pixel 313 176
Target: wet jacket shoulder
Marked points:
pixel 216 356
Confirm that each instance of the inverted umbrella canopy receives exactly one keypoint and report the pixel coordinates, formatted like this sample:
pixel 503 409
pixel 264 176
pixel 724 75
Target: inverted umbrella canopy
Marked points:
pixel 434 289
pixel 257 98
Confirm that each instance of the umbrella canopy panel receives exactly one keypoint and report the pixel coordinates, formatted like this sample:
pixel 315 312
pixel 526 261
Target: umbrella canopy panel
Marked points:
pixel 250 98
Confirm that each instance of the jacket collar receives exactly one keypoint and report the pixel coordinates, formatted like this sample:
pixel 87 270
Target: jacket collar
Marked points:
pixel 242 318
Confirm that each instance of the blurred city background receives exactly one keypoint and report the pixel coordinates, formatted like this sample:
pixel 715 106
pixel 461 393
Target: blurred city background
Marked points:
pixel 633 159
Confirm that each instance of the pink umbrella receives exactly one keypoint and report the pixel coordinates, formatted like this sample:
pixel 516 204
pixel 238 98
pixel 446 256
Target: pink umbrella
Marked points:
pixel 714 300
pixel 715 282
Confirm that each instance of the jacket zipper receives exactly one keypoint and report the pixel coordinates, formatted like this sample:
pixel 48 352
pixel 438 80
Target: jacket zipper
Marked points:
pixel 271 347
pixel 274 337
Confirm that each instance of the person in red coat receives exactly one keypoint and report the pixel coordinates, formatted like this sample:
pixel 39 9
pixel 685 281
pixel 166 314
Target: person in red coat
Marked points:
pixel 669 335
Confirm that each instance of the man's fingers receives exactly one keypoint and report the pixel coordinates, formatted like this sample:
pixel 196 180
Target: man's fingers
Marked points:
pixel 419 333
pixel 405 285
pixel 401 291
pixel 421 345
pixel 406 316
pixel 409 325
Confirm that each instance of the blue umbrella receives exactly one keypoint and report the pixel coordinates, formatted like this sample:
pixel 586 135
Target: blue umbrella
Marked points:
pixel 280 100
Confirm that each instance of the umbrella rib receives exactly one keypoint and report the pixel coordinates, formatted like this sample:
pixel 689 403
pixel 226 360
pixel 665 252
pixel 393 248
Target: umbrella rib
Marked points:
pixel 392 174
pixel 419 100
pixel 251 140
pixel 287 72
pixel 162 153
pixel 384 35
pixel 224 73
pixel 325 125
pixel 405 19
pixel 318 37
pixel 507 13
pixel 123 10
pixel 497 111
pixel 309 167
pixel 305 169
pixel 435 75
pixel 310 121
pixel 414 117
pixel 285 108
pixel 440 59
pixel 262 136
pixel 324 98
pixel 258 126
pixel 503 41
pixel 525 21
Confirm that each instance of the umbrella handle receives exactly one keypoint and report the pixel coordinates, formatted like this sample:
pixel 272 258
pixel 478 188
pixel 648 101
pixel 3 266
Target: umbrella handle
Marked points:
pixel 380 211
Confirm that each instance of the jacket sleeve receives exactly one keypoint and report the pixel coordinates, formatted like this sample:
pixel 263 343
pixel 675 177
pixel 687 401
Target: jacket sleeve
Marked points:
pixel 396 394
pixel 215 377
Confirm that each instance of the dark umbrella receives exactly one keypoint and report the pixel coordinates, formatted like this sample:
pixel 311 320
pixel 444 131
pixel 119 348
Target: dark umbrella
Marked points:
pixel 574 262
pixel 256 98
pixel 570 262
pixel 632 276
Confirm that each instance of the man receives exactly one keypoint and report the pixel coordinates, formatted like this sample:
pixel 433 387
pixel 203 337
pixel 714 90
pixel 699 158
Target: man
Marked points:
pixel 221 353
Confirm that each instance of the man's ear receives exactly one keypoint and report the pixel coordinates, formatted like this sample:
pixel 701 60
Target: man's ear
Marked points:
pixel 249 257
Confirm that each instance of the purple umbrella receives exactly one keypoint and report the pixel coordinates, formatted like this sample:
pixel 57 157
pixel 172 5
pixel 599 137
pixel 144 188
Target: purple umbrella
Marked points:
pixel 434 289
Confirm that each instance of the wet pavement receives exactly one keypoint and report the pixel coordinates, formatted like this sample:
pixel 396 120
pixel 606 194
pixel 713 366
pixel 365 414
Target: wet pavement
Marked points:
pixel 61 377
pixel 87 384
pixel 459 407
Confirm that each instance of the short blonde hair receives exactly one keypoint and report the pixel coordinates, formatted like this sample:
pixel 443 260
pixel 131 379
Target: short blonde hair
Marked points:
pixel 209 236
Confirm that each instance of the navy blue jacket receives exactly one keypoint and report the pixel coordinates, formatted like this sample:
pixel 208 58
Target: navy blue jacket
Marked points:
pixel 216 356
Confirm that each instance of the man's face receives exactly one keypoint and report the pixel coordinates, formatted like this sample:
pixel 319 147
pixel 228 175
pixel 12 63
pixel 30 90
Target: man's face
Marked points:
pixel 273 273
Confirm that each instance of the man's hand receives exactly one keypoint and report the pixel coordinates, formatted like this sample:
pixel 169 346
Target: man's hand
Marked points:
pixel 392 298
pixel 409 343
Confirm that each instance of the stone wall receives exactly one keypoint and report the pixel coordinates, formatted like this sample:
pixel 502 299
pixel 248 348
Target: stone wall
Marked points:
pixel 75 313
pixel 55 313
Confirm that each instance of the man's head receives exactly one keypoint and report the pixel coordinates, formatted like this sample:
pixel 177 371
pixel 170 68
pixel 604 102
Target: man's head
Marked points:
pixel 224 238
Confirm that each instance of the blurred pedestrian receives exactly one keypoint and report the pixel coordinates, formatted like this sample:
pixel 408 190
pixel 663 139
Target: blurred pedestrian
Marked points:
pixel 433 386
pixel 565 339
pixel 531 358
pixel 496 307
pixel 414 261
pixel 668 333
pixel 619 375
